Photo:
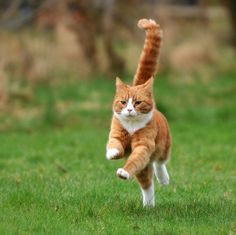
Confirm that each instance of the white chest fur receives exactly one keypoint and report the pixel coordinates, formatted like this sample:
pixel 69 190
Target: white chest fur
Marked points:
pixel 133 124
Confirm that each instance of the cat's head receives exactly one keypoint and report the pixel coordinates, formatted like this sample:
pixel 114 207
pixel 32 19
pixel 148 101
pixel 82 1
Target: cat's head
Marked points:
pixel 133 101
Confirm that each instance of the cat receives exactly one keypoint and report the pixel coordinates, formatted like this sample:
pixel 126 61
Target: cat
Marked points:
pixel 137 125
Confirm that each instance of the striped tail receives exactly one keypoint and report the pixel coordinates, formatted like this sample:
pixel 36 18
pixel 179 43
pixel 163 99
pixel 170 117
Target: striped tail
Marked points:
pixel 148 59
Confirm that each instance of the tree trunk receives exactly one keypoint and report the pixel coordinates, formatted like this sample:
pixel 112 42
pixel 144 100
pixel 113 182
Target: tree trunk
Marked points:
pixel 231 4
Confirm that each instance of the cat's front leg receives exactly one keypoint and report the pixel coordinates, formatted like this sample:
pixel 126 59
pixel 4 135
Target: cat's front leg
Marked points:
pixel 118 140
pixel 114 150
pixel 137 161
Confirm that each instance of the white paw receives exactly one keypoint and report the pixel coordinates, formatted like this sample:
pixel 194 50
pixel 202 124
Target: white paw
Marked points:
pixel 164 179
pixel 123 174
pixel 161 173
pixel 149 196
pixel 112 153
pixel 150 203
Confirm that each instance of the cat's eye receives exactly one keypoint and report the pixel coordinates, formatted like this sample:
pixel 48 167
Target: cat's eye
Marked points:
pixel 123 102
pixel 138 102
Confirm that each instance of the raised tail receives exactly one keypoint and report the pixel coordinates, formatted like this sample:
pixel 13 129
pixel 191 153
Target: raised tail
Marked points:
pixel 151 50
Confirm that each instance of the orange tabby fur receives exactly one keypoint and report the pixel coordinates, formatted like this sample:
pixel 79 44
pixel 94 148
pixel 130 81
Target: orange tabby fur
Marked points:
pixel 149 141
pixel 151 50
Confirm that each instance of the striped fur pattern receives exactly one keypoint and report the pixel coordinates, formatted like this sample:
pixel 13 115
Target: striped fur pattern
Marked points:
pixel 151 50
pixel 139 132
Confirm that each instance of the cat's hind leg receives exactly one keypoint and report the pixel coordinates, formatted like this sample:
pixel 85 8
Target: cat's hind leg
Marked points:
pixel 145 179
pixel 161 172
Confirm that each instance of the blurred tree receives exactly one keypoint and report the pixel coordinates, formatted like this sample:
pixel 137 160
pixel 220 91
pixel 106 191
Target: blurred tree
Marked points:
pixel 89 19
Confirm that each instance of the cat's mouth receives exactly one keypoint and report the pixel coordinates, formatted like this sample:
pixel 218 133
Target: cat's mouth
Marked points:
pixel 130 115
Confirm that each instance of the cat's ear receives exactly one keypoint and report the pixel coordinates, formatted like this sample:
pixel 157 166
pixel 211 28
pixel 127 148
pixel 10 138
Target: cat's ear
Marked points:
pixel 119 83
pixel 149 84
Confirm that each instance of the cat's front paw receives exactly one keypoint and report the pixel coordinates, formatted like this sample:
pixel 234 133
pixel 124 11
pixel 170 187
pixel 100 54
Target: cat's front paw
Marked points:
pixel 123 174
pixel 112 153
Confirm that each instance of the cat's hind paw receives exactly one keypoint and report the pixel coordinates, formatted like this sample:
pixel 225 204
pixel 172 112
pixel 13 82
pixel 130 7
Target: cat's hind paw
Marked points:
pixel 123 174
pixel 161 173
pixel 112 153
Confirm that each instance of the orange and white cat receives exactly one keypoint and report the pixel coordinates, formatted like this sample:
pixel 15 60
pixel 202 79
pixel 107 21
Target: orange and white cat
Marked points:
pixel 137 127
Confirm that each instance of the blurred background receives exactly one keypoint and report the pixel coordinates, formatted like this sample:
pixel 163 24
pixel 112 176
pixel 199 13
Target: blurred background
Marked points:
pixel 59 59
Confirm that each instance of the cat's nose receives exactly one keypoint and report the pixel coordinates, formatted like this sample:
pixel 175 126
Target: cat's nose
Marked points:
pixel 129 110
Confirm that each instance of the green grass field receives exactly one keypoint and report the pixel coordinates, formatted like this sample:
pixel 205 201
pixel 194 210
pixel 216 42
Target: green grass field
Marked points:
pixel 55 179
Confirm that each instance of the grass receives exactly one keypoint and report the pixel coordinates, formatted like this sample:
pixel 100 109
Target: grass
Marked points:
pixel 57 180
